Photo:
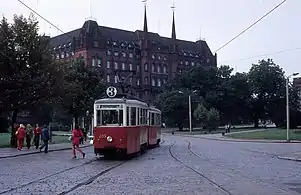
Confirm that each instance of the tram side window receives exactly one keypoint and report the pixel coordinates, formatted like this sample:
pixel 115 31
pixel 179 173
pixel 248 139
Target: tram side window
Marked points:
pixel 143 118
pixel 127 116
pixel 133 116
pixel 152 118
pixel 138 116
pixel 98 118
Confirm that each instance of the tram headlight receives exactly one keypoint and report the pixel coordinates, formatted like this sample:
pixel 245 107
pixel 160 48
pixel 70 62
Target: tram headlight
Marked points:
pixel 109 139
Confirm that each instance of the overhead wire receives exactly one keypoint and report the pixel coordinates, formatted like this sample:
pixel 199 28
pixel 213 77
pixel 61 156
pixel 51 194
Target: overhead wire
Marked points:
pixel 253 24
pixel 262 55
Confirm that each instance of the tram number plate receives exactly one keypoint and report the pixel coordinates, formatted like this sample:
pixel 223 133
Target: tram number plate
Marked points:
pixel 102 136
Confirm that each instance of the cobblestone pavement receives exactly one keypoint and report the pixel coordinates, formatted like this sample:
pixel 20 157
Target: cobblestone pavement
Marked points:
pixel 205 167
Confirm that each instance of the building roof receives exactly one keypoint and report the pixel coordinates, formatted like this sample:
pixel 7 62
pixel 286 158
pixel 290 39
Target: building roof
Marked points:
pixel 130 36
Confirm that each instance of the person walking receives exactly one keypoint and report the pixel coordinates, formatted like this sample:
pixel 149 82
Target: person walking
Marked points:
pixel 45 138
pixel 29 135
pixel 20 136
pixel 37 135
pixel 76 135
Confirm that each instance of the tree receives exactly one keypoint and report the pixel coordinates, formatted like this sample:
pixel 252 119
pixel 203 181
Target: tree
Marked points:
pixel 27 72
pixel 267 85
pixel 82 85
pixel 200 114
pixel 212 120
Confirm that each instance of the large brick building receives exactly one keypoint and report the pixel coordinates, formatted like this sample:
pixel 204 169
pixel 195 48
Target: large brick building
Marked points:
pixel 147 59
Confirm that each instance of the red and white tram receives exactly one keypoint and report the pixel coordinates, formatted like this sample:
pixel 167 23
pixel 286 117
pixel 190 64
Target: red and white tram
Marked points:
pixel 125 126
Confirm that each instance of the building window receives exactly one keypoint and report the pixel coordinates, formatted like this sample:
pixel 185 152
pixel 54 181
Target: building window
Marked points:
pixel 108 64
pixel 145 80
pixel 115 53
pixel 208 60
pixel 62 55
pixel 93 62
pixel 181 62
pixel 159 57
pixel 123 66
pixel 99 62
pixel 138 68
pixel 198 64
pixel 138 81
pixel 123 54
pixel 130 55
pixel 131 67
pixel 108 78
pixel 67 55
pixel 153 67
pixel 153 82
pixel 164 81
pixel 186 63
pixel 153 56
pixel 114 43
pixel 116 65
pixel 72 53
pixel 164 69
pixel 116 79
pixel 159 69
pixel 164 58
pixel 159 82
pixel 192 64
pixel 131 80
pixel 95 44
pixel 145 67
pixel 109 53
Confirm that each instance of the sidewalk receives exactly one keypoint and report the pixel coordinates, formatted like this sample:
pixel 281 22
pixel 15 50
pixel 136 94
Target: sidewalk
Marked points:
pixel 13 152
pixel 220 137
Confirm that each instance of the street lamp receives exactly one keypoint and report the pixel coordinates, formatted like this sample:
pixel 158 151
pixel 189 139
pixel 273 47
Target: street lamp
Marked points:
pixel 189 102
pixel 287 106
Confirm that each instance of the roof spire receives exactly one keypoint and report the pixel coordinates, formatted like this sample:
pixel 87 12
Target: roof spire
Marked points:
pixel 145 19
pixel 173 33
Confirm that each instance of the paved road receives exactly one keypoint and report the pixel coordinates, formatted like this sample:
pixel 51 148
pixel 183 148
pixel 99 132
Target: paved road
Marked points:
pixel 181 165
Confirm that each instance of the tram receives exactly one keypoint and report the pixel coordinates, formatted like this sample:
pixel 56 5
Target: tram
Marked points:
pixel 125 125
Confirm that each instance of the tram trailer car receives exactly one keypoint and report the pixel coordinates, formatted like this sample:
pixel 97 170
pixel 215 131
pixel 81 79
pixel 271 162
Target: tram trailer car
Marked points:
pixel 125 126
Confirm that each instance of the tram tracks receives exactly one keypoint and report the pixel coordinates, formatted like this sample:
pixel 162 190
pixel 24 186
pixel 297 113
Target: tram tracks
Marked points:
pixel 197 171
pixel 256 181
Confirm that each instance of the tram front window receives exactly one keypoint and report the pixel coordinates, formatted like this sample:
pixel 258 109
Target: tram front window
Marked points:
pixel 112 117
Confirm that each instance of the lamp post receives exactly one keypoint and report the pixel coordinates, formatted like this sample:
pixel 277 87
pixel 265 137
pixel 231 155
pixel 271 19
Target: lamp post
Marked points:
pixel 287 106
pixel 189 102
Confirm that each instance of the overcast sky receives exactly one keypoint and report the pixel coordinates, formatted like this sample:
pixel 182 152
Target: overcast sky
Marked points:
pixel 216 21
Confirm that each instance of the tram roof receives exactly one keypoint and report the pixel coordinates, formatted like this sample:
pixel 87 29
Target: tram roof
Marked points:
pixel 120 101
pixel 152 108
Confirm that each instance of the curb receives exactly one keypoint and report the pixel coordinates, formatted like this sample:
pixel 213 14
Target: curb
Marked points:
pixel 37 152
pixel 239 140
pixel 289 158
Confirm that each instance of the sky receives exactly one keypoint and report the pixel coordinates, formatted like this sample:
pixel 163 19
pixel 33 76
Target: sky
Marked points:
pixel 216 21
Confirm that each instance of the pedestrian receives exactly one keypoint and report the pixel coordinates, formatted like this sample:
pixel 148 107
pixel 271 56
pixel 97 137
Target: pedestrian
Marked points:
pixel 29 135
pixel 37 135
pixel 20 136
pixel 45 138
pixel 76 135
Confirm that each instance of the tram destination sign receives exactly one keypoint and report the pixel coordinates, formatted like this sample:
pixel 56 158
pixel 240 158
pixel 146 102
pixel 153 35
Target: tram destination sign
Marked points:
pixel 111 91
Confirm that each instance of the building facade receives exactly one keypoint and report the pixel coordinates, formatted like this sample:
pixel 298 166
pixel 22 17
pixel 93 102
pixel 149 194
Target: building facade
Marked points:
pixel 144 60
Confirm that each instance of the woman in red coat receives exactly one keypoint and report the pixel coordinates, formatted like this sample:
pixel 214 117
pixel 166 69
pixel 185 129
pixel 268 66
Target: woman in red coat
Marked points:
pixel 20 136
pixel 76 135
